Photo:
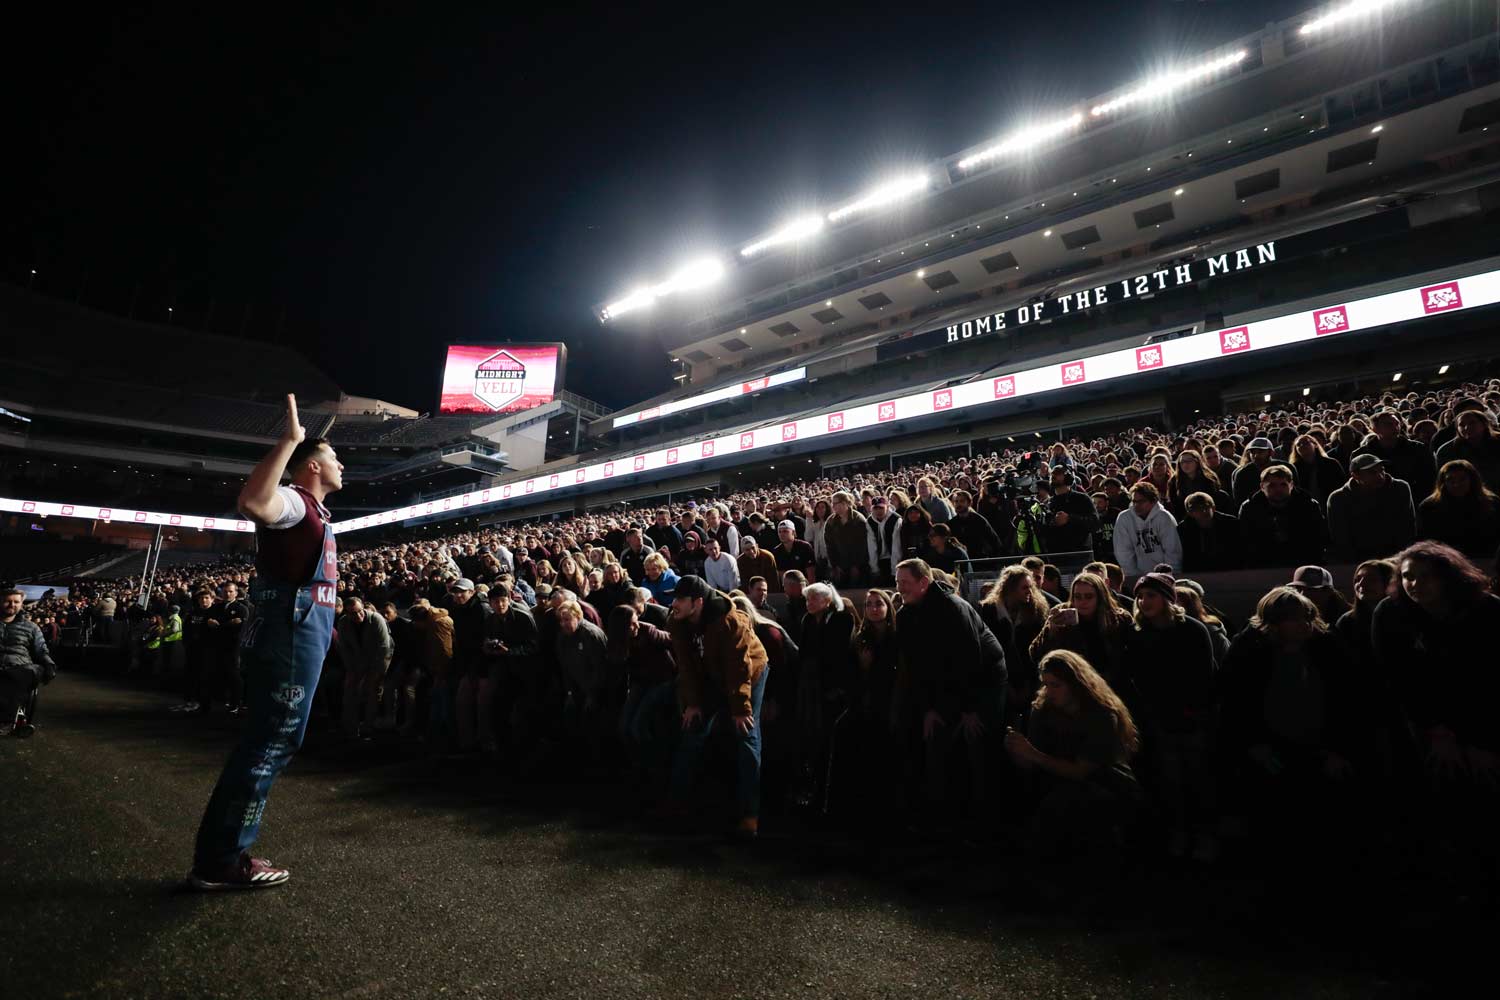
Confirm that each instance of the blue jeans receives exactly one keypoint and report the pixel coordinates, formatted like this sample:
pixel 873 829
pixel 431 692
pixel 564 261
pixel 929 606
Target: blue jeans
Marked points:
pixel 279 694
pixel 690 749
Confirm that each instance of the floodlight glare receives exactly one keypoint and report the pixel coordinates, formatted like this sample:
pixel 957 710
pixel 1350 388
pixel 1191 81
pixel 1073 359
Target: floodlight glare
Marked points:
pixel 1359 8
pixel 799 229
pixel 882 195
pixel 1021 140
pixel 694 275
pixel 1162 86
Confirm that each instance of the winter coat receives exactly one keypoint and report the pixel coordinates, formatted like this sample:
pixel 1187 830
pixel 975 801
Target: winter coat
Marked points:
pixel 1221 546
pixel 718 659
pixel 1366 523
pixel 950 661
pixel 1291 535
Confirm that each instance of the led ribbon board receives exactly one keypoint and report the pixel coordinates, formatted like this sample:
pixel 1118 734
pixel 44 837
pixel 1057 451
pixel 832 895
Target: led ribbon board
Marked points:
pixel 714 396
pixel 1413 303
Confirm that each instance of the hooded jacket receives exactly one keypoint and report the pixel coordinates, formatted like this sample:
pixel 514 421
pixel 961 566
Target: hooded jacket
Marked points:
pixel 950 661
pixel 1142 543
pixel 718 659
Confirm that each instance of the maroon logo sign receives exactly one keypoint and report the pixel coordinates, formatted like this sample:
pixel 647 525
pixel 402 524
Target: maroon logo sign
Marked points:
pixel 942 399
pixel 105 513
pixel 581 476
pixel 1441 298
pixel 708 449
pixel 755 384
pixel 140 515
pixel 1148 357
pixel 242 526
pixel 208 522
pixel 530 485
pixel 640 462
pixel 552 481
pixel 886 411
pixel 1326 321
pixel 609 469
pixel 789 432
pixel 175 519
pixel 499 380
pixel 29 507
pixel 835 422
pixel 1235 340
pixel 505 492
pixel 1005 386
pixel 671 456
pixel 1073 373
pixel 447 503
pixel 747 440
pixel 67 509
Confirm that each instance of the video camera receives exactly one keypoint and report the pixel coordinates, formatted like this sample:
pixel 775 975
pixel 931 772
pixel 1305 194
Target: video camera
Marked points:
pixel 1020 481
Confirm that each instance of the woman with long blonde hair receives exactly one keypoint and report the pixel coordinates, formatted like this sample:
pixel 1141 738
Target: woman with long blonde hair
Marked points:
pixel 1089 622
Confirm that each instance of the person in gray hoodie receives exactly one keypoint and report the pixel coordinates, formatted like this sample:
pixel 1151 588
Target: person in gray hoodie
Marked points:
pixel 1371 516
pixel 1146 534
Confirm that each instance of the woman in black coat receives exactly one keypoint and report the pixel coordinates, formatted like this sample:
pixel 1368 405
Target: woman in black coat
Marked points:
pixel 1316 471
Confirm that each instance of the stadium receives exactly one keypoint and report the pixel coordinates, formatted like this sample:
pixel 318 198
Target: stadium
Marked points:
pixel 1274 259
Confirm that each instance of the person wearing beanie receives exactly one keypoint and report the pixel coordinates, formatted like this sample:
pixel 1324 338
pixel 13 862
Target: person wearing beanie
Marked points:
pixel 1169 661
pixel 721 681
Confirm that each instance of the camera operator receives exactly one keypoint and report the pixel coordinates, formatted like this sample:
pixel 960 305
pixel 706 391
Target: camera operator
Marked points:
pixel 1071 518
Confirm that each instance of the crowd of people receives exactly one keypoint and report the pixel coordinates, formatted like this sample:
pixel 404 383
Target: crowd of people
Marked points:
pixel 815 633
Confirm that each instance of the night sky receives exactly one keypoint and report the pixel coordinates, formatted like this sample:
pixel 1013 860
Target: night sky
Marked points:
pixel 372 183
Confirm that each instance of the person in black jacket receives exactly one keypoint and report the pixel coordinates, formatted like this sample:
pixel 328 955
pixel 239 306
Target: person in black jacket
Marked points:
pixel 1260 455
pixel 1282 525
pixel 1408 460
pixel 1210 540
pixel 972 531
pixel 512 672
pixel 1295 721
pixel 825 679
pixel 1071 518
pixel 952 678
pixel 1315 471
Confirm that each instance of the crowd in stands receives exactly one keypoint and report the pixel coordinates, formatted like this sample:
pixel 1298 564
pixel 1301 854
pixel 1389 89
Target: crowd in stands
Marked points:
pixel 815 632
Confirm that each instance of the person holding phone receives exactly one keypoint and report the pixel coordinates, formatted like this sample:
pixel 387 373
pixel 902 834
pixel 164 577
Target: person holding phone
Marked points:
pixel 1089 623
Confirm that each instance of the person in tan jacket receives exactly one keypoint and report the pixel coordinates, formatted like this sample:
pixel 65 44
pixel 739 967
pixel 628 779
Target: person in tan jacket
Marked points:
pixel 435 628
pixel 721 679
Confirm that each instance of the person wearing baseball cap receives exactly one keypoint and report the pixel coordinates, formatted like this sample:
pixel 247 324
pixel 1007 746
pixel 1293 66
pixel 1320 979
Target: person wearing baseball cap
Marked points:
pixel 721 681
pixel 1406 459
pixel 1372 515
pixel 794 553
pixel 1260 455
pixel 1170 659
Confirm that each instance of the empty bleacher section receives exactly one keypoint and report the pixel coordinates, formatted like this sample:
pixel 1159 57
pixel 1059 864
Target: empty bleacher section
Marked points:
pixel 26 559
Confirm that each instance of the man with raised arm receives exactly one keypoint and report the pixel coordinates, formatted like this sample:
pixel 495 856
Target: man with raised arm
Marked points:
pixel 282 647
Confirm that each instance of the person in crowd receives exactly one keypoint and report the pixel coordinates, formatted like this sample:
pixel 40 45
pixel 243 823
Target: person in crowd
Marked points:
pixel 1222 466
pixel 1436 638
pixel 866 744
pixel 201 651
pixel 1070 517
pixel 26 665
pixel 1191 600
pixel 1169 661
pixel 296 575
pixel 758 590
pixel 468 613
pixel 1461 512
pixel 583 664
pixel 1211 539
pixel 571 576
pixel 715 526
pixel 973 533
pixel 404 657
pixel 1078 746
pixel 233 614
pixel 1406 459
pixel 642 653
pixel 755 561
pixel 1371 515
pixel 721 682
pixel 633 558
pixel 1281 525
pixel 720 569
pixel 1291 720
pixel 614 589
pixel 511 674
pixel 690 561
pixel 851 546
pixel 1260 454
pixel 1477 442
pixel 648 611
pixel 434 626
pixel 1317 585
pixel 1189 477
pixel 660 580
pixel 662 534
pixel 366 649
pixel 952 679
pixel 817 535
pixel 885 531
pixel 793 584
pixel 1102 541
pixel 1314 470
pixel 826 680
pixel 1374 580
pixel 916 525
pixel 1090 624
pixel 939 510
pixel 794 553
pixel 942 551
pixel 1146 534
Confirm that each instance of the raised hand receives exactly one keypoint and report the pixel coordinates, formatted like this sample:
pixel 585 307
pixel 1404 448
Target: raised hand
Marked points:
pixel 295 433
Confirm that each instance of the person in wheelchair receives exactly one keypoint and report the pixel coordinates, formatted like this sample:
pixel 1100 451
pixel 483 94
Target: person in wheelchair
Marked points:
pixel 25 665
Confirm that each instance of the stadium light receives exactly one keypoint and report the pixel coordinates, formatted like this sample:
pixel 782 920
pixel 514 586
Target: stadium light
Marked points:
pixel 1266 398
pixel 1158 87
pixel 694 275
pixel 1443 370
pixel 882 195
pixel 1334 18
pixel 799 229
pixel 1396 377
pixel 1022 140
pixel 1306 391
